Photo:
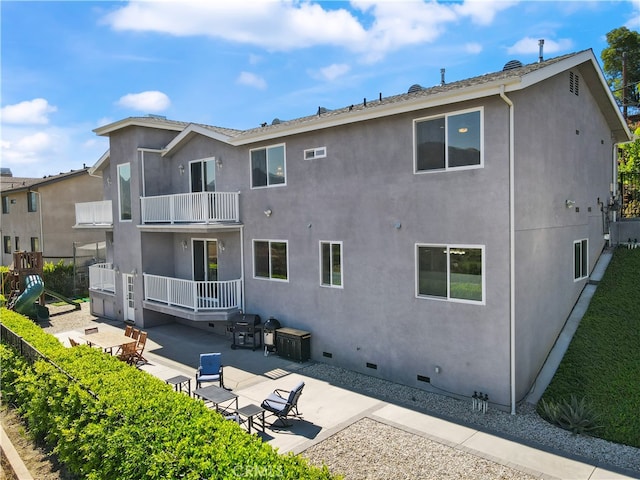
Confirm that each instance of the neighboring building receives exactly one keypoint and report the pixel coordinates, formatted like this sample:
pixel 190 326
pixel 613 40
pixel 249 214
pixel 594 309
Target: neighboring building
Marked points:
pixel 438 238
pixel 38 215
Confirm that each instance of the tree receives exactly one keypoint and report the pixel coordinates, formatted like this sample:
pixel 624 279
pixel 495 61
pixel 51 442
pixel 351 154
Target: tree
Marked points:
pixel 623 41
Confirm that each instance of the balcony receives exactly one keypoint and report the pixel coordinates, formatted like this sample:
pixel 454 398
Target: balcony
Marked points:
pixel 200 207
pixel 195 296
pixel 102 277
pixel 94 214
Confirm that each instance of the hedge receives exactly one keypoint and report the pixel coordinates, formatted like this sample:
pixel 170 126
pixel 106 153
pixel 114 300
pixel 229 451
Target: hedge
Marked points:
pixel 105 419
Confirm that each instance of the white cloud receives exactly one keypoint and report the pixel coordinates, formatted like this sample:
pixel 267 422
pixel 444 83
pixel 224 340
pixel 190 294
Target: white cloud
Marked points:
pixel 334 71
pixel 251 80
pixel 30 112
pixel 529 45
pixel 473 48
pixel 151 101
pixel 380 27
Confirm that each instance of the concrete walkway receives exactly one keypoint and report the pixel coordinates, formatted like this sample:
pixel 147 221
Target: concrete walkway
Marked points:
pixel 326 408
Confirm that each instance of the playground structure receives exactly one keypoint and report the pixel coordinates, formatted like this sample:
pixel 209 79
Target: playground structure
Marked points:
pixel 26 287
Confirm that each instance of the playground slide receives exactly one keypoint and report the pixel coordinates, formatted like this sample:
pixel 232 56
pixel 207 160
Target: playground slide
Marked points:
pixel 25 304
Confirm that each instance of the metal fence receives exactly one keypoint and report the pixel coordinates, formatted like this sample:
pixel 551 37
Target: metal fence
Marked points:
pixel 630 195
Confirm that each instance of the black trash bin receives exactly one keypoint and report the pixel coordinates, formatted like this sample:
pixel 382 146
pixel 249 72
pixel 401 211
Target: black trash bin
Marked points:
pixel 269 331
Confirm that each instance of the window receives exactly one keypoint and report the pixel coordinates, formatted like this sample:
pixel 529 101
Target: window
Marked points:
pixel 35 244
pixel 5 204
pixel 124 190
pixel 6 244
pixel 331 264
pixel 203 175
pixel 270 260
pixel 268 166
pixel 17 239
pixel 450 141
pixel 312 153
pixel 451 272
pixel 32 201
pixel 580 259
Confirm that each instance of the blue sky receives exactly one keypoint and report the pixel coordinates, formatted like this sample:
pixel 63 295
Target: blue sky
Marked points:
pixel 70 67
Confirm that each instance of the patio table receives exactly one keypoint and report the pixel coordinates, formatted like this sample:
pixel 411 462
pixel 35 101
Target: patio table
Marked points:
pixel 107 340
pixel 217 396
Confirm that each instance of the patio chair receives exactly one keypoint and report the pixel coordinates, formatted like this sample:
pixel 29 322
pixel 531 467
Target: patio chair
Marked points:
pixel 128 330
pixel 283 403
pixel 127 354
pixel 142 341
pixel 89 331
pixel 135 333
pixel 210 369
pixel 73 342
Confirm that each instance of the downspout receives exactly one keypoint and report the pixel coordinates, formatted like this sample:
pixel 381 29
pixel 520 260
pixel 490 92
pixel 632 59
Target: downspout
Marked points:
pixel 242 267
pixel 512 255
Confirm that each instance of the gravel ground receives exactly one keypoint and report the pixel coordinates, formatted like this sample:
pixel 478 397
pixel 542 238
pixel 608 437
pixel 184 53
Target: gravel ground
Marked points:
pixel 387 452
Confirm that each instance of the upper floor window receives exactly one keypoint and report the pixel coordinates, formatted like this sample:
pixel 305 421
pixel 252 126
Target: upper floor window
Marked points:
pixel 268 166
pixel 32 201
pixel 331 264
pixel 203 175
pixel 5 204
pixel 449 141
pixel 580 259
pixel 270 260
pixel 124 190
pixel 450 272
pixel 311 153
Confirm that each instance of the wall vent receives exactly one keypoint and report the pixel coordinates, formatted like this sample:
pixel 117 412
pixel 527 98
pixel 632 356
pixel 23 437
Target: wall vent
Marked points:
pixel 422 378
pixel 327 354
pixel 372 365
pixel 574 83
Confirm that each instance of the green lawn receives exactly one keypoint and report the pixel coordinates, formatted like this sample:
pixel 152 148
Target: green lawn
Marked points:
pixel 602 363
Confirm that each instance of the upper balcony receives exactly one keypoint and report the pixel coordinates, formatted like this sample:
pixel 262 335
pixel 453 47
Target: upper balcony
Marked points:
pixel 190 208
pixel 94 215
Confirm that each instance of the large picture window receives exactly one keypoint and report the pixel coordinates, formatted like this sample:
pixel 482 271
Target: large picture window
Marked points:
pixel 268 166
pixel 448 142
pixel 124 190
pixel 270 260
pixel 451 272
pixel 580 259
pixel 331 264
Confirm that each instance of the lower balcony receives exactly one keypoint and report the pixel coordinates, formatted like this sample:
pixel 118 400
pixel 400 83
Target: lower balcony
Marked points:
pixel 102 277
pixel 192 299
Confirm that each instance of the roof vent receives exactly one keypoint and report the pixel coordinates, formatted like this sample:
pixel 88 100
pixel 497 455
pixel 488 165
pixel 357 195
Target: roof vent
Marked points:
pixel 276 121
pixel 322 110
pixel 414 88
pixel 157 117
pixel 512 64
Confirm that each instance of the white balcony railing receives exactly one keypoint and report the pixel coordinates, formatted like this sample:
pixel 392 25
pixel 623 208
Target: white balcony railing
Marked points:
pixel 102 277
pixel 200 207
pixel 196 296
pixel 94 213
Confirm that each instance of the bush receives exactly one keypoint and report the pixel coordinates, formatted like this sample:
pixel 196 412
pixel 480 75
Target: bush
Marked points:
pixel 105 419
pixel 58 277
pixel 577 416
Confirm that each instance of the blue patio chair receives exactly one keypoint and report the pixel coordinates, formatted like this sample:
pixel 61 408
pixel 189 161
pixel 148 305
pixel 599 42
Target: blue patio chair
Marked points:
pixel 283 403
pixel 210 369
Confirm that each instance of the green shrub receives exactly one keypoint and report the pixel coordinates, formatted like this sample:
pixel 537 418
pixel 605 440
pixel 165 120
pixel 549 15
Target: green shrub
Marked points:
pixel 105 419
pixel 577 416
pixel 58 277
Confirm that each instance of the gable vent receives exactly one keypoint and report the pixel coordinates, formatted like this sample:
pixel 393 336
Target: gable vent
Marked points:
pixel 574 83
pixel 414 88
pixel 511 64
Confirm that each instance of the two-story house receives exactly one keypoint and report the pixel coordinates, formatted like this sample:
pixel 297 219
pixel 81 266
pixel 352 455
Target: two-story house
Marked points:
pixel 38 215
pixel 437 238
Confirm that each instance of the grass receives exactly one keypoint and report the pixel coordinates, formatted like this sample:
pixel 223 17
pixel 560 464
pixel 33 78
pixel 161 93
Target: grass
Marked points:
pixel 602 363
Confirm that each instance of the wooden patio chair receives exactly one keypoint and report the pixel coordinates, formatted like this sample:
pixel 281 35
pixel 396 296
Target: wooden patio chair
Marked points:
pixel 89 331
pixel 128 353
pixel 128 330
pixel 135 333
pixel 142 341
pixel 73 342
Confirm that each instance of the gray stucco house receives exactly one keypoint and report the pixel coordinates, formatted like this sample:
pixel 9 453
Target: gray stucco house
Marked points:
pixel 437 238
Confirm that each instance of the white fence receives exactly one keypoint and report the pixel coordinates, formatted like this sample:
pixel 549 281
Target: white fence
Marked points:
pixel 94 213
pixel 200 207
pixel 191 294
pixel 102 276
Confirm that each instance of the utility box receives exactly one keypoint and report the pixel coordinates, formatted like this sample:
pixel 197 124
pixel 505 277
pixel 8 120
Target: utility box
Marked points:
pixel 293 344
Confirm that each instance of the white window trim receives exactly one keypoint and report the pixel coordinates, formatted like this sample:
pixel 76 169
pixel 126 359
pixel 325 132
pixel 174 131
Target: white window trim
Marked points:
pixel 446 126
pixel 448 298
pixel 331 243
pixel 585 274
pixel 202 161
pixel 120 219
pixel 267 147
pixel 253 259
pixel 318 152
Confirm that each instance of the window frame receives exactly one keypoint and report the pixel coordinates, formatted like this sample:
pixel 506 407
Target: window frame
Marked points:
pixel 6 202
pixel 318 152
pixel 32 201
pixel 120 199
pixel 446 117
pixel 207 165
pixel 35 244
pixel 331 244
pixel 583 273
pixel 284 167
pixel 253 256
pixel 448 297
pixel 6 244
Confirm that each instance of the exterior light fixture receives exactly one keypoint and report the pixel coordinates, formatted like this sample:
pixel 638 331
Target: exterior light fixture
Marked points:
pixel 569 203
pixel 268 212
pixel 181 168
pixel 184 244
